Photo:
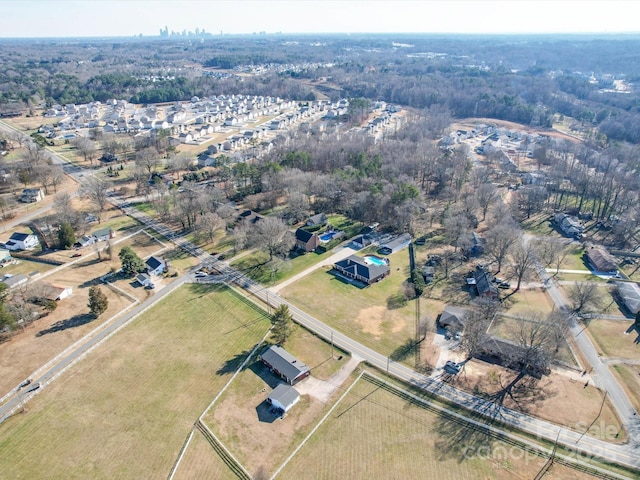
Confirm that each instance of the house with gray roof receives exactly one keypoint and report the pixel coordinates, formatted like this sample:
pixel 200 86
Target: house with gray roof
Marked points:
pixel 358 268
pixel 285 365
pixel 396 244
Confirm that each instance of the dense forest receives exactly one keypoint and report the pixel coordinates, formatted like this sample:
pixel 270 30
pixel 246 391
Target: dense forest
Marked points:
pixel 525 79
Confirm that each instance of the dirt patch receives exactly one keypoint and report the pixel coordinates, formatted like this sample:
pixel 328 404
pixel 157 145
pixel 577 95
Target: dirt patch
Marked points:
pixel 245 424
pixel 371 320
pixel 555 398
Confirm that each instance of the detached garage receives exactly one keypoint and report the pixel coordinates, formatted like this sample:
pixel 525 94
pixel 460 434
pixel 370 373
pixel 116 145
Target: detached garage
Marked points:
pixel 283 397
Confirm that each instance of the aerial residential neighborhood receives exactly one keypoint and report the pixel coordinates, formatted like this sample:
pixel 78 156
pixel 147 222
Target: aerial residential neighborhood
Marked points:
pixel 317 255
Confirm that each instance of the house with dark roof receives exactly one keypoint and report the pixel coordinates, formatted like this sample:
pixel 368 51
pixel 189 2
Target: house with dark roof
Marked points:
pixel 285 365
pixel 317 220
pixel 568 225
pixel 155 265
pixel 22 241
pixel 250 217
pixel 601 261
pixel 357 268
pixel 31 195
pixel 483 284
pixel 283 397
pixel 473 245
pixel 453 318
pixel 396 244
pixel 509 355
pixel 306 241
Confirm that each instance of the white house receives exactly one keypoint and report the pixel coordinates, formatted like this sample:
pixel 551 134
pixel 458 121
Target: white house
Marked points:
pixel 155 265
pixel 104 234
pixel 22 241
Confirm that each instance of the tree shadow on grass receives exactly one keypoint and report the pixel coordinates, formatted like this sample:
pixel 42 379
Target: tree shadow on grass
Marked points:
pixel 232 364
pixel 404 351
pixel 75 321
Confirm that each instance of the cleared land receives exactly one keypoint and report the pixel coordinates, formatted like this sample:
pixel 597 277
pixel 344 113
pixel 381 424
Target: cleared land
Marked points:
pixel 376 434
pixel 139 392
pixel 615 338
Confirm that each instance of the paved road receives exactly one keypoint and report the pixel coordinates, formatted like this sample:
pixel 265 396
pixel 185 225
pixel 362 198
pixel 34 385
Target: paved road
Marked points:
pixel 599 371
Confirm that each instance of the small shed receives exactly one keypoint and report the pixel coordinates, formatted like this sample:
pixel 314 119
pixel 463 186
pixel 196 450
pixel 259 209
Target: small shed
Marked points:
pixel 143 279
pixel 283 397
pixel 5 255
pixel 56 292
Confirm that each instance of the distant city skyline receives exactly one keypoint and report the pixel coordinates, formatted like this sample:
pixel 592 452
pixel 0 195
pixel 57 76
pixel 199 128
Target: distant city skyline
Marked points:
pixel 106 18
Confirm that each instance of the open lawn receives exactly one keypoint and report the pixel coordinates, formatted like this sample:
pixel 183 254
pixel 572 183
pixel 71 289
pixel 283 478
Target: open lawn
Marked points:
pixel 528 301
pixel 139 392
pixel 375 316
pixel 376 434
pixel 629 378
pixel 26 266
pixel 256 266
pixel 615 338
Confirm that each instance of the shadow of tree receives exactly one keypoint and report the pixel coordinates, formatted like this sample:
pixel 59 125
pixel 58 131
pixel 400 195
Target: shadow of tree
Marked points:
pixel 404 351
pixel 396 301
pixel 232 364
pixel 75 321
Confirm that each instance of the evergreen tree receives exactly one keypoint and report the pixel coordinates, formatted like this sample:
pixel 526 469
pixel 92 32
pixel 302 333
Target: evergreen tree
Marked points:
pixel 98 301
pixel 131 262
pixel 281 327
pixel 66 236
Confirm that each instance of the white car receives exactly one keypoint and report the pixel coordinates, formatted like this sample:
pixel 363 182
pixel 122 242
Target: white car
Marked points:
pixel 201 275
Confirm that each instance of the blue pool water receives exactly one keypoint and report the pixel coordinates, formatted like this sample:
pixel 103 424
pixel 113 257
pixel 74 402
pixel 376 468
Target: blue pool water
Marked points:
pixel 373 260
pixel 325 237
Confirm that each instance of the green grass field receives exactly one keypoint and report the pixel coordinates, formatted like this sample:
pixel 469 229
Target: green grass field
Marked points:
pixel 125 410
pixel 376 434
pixel 367 315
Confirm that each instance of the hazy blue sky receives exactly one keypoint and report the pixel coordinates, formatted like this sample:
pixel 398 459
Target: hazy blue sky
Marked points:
pixel 59 18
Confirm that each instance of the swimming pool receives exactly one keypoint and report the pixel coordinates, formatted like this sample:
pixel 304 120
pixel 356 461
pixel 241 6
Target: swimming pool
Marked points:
pixel 325 237
pixel 373 260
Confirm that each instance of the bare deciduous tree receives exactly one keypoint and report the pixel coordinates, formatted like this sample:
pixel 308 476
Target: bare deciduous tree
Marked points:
pixel 96 189
pixel 86 147
pixel 272 236
pixel 500 238
pixel 585 297
pixel 522 262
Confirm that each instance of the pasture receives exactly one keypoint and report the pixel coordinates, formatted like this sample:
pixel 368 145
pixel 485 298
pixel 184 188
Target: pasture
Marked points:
pixel 126 409
pixel 375 433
